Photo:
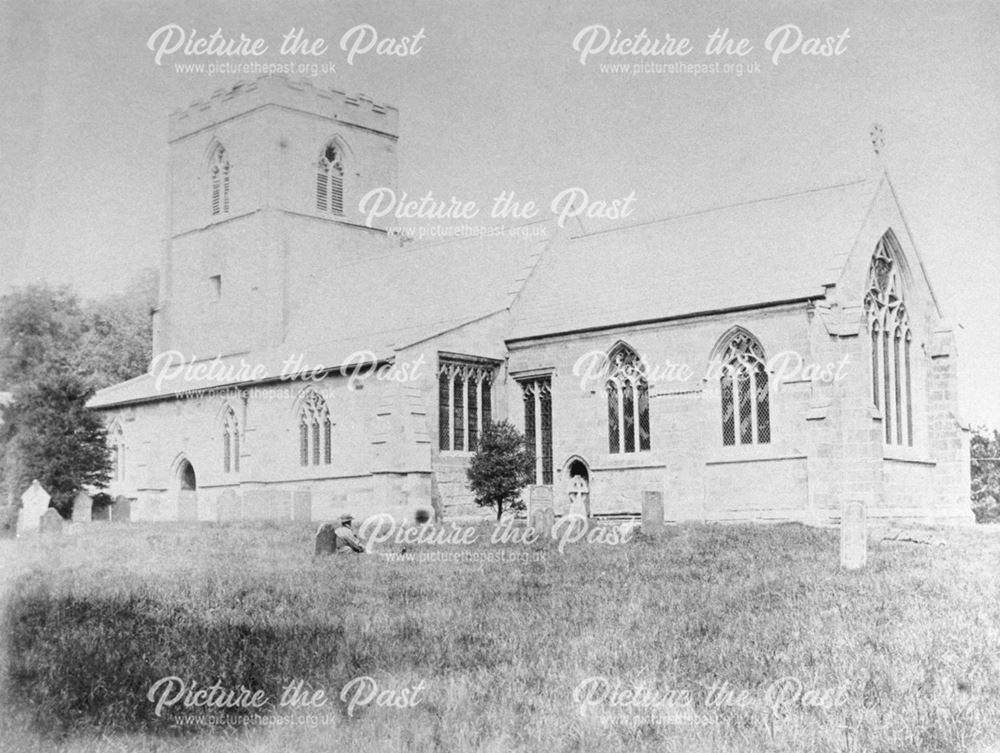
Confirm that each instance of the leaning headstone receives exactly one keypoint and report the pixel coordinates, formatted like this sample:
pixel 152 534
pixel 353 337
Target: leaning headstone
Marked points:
pixel 652 513
pixel 541 514
pixel 34 503
pixel 83 505
pixel 853 535
pixel 326 539
pixel 51 522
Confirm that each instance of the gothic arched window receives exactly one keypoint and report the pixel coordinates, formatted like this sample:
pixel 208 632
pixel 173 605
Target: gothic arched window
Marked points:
pixel 465 402
pixel 330 180
pixel 230 442
pixel 315 431
pixel 891 338
pixel 218 171
pixel 746 404
pixel 628 402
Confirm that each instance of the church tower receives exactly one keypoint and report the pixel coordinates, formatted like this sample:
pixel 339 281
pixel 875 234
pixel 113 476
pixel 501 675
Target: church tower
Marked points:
pixel 262 208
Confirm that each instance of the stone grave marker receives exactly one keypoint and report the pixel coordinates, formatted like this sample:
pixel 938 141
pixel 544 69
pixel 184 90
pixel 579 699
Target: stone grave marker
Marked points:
pixel 34 503
pixel 121 510
pixel 853 535
pixel 652 513
pixel 101 513
pixel 326 539
pixel 541 513
pixel 83 505
pixel 51 521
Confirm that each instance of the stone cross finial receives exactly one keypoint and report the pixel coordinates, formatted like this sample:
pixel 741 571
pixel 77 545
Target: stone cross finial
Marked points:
pixel 877 134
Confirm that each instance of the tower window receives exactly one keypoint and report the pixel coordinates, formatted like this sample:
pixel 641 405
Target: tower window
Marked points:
pixel 215 287
pixel 330 180
pixel 219 177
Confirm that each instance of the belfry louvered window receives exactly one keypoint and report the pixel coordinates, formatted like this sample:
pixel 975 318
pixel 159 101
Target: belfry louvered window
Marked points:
pixel 330 180
pixel 219 177
pixel 230 442
pixel 891 340
pixel 746 404
pixel 315 431
pixel 465 403
pixel 628 402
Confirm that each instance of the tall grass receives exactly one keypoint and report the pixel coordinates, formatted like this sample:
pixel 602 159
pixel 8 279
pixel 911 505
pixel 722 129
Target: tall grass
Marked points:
pixel 92 620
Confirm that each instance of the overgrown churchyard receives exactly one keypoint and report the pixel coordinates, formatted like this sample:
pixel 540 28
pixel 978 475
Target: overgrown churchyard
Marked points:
pixel 700 638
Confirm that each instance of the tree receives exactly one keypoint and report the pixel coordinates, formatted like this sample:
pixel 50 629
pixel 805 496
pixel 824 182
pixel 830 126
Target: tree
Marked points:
pixel 57 440
pixel 985 453
pixel 500 468
pixel 55 350
pixel 117 342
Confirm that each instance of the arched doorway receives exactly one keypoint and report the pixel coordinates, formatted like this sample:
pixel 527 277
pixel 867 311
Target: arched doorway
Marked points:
pixel 186 475
pixel 578 486
pixel 187 494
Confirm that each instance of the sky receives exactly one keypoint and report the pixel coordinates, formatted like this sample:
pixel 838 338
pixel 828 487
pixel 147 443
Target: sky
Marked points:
pixel 494 97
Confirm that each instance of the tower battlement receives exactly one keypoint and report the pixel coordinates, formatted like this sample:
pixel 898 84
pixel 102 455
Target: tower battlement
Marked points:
pixel 278 90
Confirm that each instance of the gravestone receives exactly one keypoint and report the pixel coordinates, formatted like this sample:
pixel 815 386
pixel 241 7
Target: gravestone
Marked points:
pixel 121 510
pixel 541 514
pixel 853 535
pixel 83 505
pixel 51 522
pixel 326 539
pixel 101 513
pixel 34 503
pixel 652 513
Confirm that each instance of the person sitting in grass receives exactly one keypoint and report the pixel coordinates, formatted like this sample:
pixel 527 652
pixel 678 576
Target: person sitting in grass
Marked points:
pixel 347 540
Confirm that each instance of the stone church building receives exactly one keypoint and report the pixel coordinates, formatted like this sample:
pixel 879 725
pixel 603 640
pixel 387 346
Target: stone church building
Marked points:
pixel 760 361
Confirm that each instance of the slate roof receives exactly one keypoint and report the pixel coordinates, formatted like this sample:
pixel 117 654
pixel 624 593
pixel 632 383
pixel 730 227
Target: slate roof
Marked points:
pixel 739 256
pixel 778 249
pixel 383 304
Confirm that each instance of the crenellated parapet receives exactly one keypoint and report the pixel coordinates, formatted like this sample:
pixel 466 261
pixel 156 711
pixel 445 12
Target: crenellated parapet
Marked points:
pixel 279 91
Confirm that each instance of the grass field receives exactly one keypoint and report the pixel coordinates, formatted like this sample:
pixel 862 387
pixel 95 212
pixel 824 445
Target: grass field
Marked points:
pixel 711 638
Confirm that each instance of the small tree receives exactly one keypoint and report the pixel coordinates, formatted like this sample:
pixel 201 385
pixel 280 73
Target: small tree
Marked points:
pixel 58 440
pixel 501 467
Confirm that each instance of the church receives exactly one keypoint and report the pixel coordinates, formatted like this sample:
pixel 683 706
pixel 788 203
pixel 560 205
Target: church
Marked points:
pixel 763 361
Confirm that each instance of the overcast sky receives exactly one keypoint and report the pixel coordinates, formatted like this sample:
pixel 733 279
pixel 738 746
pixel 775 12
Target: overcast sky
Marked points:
pixel 496 98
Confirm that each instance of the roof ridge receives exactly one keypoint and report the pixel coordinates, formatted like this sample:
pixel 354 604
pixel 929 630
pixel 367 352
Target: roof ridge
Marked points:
pixel 402 250
pixel 721 207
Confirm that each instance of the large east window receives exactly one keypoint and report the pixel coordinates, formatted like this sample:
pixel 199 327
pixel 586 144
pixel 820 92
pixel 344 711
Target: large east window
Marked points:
pixel 891 343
